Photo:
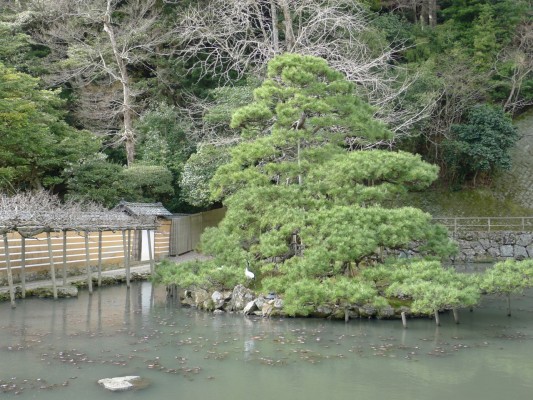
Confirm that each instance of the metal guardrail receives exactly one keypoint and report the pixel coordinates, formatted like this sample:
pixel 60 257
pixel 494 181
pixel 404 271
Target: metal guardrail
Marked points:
pixel 486 224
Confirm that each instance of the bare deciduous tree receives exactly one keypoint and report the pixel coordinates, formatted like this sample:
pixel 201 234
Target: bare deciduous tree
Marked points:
pixel 240 37
pixel 521 58
pixel 460 88
pixel 96 43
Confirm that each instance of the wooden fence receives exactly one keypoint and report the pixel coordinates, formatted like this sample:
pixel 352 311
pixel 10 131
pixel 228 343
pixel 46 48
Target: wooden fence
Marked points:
pixel 186 230
pixel 486 224
pixel 69 252
pixel 173 236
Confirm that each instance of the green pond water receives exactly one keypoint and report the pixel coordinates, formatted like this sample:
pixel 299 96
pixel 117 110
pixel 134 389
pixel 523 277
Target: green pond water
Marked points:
pixel 59 349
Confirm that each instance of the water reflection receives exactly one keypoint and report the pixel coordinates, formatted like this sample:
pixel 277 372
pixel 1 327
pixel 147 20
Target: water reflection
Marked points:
pixel 59 349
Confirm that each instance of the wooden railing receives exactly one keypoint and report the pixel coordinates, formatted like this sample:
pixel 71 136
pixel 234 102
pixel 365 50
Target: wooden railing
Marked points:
pixel 486 224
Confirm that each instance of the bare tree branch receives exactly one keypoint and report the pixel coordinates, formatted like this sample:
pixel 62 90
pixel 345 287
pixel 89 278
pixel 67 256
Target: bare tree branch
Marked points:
pixel 31 213
pixel 240 37
pixel 92 48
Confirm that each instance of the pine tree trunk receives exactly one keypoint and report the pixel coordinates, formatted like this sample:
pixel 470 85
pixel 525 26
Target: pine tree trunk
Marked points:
pixel 437 318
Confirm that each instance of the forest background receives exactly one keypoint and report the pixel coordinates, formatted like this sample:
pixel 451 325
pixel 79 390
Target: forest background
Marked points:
pixel 105 100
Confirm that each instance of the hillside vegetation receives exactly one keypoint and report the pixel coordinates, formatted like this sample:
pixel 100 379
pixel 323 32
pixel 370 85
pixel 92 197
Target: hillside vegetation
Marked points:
pixel 104 100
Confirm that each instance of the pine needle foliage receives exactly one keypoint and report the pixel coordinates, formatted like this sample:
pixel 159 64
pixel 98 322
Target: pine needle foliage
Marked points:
pixel 507 278
pixel 308 209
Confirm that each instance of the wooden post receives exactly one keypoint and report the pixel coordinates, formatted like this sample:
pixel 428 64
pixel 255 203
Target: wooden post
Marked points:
pixel 89 312
pixel 124 246
pixel 52 266
pixel 128 272
pixel 99 258
pixel 150 255
pixel 88 263
pixel 437 318
pixel 126 258
pixel 99 310
pixel 23 266
pixel 152 296
pixel 127 306
pixel 404 320
pixel 64 258
pixel 9 273
pixel 455 315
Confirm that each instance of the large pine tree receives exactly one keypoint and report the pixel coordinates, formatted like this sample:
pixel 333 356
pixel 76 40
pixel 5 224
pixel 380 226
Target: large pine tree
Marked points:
pixel 309 198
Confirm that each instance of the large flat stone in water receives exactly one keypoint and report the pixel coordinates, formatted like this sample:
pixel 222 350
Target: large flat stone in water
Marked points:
pixel 122 383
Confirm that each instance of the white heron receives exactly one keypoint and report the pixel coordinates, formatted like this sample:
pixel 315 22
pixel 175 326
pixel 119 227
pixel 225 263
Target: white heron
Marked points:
pixel 249 274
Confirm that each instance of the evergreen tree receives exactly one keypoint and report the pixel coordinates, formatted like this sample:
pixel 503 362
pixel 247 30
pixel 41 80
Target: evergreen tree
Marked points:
pixel 106 183
pixel 507 278
pixel 36 144
pixel 482 144
pixel 432 288
pixel 304 213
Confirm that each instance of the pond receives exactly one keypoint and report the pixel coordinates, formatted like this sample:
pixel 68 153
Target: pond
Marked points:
pixel 59 349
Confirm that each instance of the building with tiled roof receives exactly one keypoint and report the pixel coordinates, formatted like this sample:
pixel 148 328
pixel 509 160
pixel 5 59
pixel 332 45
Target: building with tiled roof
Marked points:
pixel 143 209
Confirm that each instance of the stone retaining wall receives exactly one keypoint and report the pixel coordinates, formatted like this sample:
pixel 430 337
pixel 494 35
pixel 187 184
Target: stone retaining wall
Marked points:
pixel 491 246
